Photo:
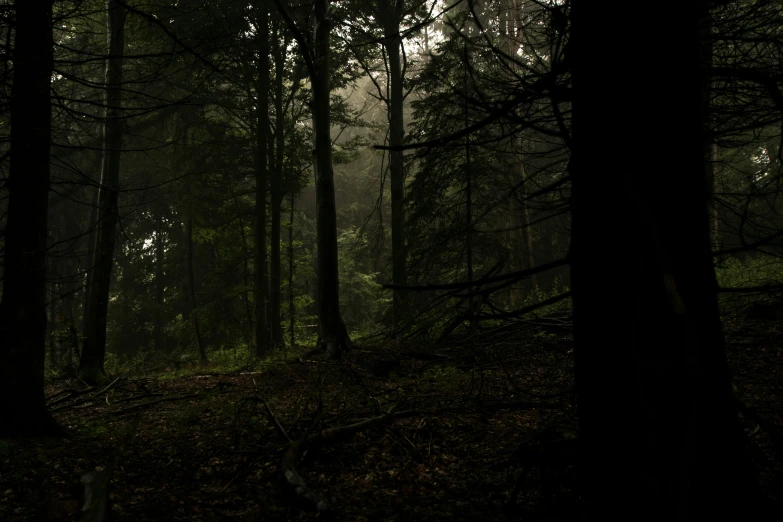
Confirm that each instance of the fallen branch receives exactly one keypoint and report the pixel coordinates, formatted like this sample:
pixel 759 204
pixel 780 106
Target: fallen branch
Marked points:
pixel 310 443
pixel 91 398
pixel 157 401
pixel 275 422
pixel 137 397
pixel 519 405
pixel 71 392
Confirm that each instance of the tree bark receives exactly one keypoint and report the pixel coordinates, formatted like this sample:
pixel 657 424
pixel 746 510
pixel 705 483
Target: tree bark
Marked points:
pixel 53 359
pixel 191 282
pixel 391 19
pixel 333 335
pixel 524 249
pixel 291 304
pixel 89 262
pixel 260 331
pixel 659 438
pixel 472 302
pixel 277 198
pixel 160 252
pixel 23 307
pixel 94 350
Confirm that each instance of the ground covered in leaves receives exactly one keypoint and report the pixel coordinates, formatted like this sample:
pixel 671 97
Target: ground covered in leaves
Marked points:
pixel 440 433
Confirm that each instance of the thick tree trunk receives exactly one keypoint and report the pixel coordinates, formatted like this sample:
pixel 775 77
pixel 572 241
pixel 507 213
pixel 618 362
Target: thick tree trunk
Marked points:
pixel 260 331
pixel 160 252
pixel 659 438
pixel 23 306
pixel 333 336
pixel 94 349
pixel 393 45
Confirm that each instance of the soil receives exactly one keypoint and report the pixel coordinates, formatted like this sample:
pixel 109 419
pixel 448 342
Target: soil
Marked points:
pixel 455 428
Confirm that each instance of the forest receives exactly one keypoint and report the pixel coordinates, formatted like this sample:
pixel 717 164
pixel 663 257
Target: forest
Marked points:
pixel 363 260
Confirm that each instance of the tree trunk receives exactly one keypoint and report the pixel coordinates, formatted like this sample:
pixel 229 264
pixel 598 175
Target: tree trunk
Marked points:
pixel 191 288
pixel 333 336
pixel 260 332
pixel 68 340
pixel 710 146
pixel 23 306
pixel 393 44
pixel 526 231
pixel 277 200
pixel 94 350
pixel 659 438
pixel 53 359
pixel 291 306
pixel 472 302
pixel 525 244
pixel 89 263
pixel 246 273
pixel 158 327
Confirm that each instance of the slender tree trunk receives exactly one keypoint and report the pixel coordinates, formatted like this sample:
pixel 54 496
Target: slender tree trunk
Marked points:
pixel 526 232
pixel 191 285
pixel 331 328
pixel 291 306
pixel 393 44
pixel 53 359
pixel 472 304
pixel 260 331
pixel 89 266
pixel 659 356
pixel 94 350
pixel 525 245
pixel 277 200
pixel 23 306
pixel 710 146
pixel 245 295
pixel 713 173
pixel 68 340
pixel 160 250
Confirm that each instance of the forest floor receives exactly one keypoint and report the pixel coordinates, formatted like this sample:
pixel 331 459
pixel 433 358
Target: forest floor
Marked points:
pixel 431 434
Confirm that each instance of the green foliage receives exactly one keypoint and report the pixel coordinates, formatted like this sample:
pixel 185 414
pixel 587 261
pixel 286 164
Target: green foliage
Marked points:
pixel 362 299
pixel 751 272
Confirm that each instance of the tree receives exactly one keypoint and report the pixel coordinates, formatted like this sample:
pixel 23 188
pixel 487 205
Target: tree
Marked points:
pixel 391 17
pixel 676 451
pixel 333 336
pixel 94 350
pixel 260 330
pixel 23 306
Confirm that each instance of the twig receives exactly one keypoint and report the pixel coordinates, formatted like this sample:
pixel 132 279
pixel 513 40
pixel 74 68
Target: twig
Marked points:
pixel 85 399
pixel 275 422
pixel 157 401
